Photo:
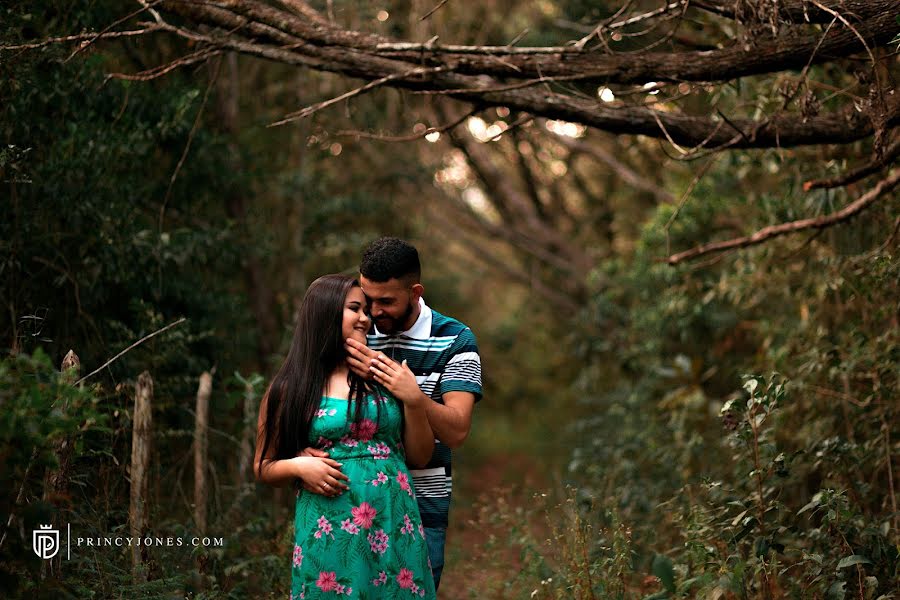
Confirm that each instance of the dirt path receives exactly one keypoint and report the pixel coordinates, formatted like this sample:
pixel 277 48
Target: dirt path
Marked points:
pixel 494 517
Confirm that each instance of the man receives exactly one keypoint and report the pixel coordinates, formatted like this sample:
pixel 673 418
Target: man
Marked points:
pixel 442 354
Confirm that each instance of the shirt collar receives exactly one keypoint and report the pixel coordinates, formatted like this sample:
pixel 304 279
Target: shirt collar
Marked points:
pixel 421 329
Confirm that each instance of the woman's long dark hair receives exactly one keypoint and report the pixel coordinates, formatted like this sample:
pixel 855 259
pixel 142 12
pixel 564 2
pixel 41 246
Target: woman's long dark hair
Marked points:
pixel 316 350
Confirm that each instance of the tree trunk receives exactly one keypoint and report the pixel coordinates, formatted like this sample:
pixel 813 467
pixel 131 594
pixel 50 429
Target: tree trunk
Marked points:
pixel 260 294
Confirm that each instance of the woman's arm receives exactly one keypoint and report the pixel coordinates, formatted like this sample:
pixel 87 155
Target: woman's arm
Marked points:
pixel 321 473
pixel 277 473
pixel 418 438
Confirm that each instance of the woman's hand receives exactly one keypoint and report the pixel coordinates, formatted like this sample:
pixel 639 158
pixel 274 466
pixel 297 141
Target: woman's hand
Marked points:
pixel 321 475
pixel 398 379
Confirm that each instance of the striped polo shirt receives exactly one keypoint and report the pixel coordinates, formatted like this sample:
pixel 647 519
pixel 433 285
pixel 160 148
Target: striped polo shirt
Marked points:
pixel 443 355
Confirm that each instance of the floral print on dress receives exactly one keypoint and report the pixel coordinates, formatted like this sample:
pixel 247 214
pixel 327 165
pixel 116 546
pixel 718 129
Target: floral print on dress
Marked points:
pixel 364 430
pixel 324 528
pixel 361 543
pixel 403 480
pixel 407 525
pixel 378 541
pixel 380 479
pixel 327 581
pixel 363 515
pixel 349 527
pixel 379 451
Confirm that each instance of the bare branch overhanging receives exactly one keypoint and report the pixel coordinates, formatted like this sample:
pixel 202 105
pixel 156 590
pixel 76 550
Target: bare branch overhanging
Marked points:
pixel 878 191
pixel 507 76
pixel 482 74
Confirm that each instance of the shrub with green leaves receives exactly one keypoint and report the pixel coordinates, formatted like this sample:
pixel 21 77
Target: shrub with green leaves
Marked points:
pixel 749 486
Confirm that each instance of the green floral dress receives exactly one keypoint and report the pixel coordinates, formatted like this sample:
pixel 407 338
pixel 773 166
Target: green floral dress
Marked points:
pixel 367 543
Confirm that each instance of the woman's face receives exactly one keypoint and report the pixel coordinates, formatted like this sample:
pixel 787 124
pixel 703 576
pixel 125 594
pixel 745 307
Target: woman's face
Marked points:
pixel 356 322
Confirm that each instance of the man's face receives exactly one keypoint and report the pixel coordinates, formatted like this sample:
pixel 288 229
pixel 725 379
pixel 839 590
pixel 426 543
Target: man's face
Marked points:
pixel 392 303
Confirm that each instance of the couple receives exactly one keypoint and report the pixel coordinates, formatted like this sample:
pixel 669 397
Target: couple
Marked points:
pixel 348 411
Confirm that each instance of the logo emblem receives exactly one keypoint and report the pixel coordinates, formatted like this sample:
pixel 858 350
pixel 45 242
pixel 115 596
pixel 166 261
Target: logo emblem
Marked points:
pixel 45 541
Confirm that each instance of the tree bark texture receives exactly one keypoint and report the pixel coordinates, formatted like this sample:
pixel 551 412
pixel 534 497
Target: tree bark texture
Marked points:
pixel 508 76
pixel 142 432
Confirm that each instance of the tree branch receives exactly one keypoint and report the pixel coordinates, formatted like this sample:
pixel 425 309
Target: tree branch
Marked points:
pixel 415 136
pixel 768 54
pixel 517 208
pixel 861 172
pixel 527 175
pixel 193 58
pixel 310 110
pixel 475 74
pixel 793 11
pixel 354 54
pixel 621 169
pixel 81 37
pixel 851 210
pixel 565 301
pixel 137 343
pixel 513 238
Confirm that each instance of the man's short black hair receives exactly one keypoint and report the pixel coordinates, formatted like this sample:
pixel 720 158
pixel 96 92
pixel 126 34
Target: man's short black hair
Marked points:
pixel 389 258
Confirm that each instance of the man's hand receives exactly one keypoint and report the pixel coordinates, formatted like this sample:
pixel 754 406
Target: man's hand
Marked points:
pixel 359 358
pixel 313 452
pixel 322 473
pixel 398 379
pixel 316 488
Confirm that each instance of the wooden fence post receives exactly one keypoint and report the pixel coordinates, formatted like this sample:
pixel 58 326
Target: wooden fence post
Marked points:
pixel 142 424
pixel 201 449
pixel 56 480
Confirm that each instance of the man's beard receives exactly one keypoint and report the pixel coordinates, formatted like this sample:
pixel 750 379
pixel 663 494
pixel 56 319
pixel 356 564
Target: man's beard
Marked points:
pixel 390 325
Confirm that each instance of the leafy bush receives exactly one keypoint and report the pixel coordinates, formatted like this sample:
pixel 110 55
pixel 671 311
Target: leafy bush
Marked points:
pixel 781 487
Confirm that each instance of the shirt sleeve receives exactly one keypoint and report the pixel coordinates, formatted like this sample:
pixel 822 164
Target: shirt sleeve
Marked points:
pixel 463 370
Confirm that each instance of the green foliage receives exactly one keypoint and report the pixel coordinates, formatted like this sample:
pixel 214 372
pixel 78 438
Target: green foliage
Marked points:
pixel 40 410
pixel 769 488
pixel 93 259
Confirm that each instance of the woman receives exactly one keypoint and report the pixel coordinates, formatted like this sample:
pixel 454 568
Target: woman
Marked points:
pixel 358 532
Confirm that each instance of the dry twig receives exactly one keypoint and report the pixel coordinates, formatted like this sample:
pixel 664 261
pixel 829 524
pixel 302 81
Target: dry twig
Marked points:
pixel 873 166
pixel 416 136
pixel 310 110
pixel 129 348
pixel 851 210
